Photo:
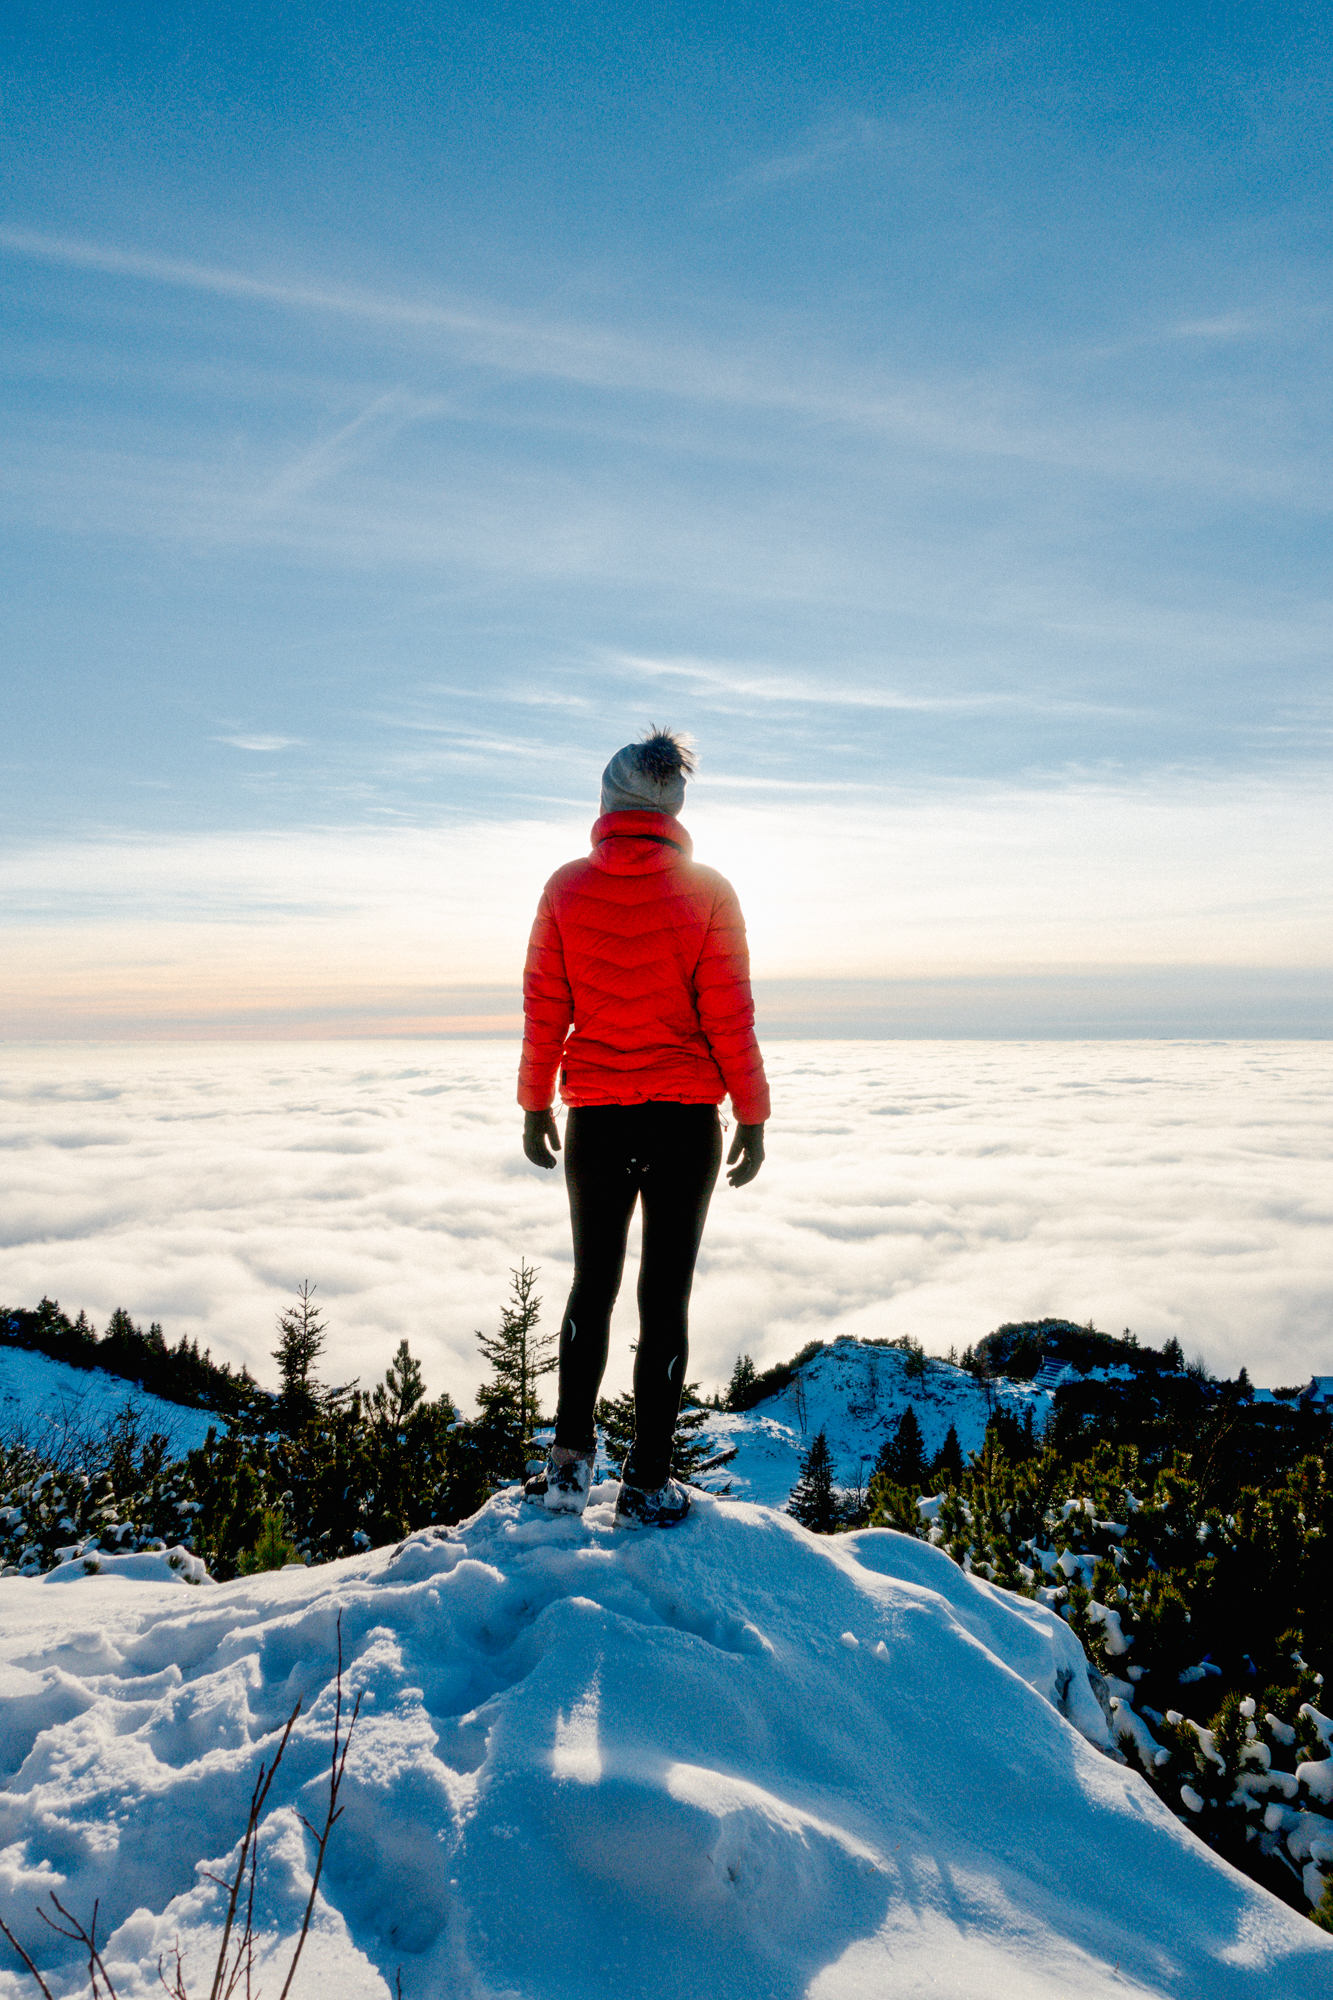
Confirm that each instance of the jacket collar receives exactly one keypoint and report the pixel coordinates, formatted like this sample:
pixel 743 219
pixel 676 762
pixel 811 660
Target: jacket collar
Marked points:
pixel 623 839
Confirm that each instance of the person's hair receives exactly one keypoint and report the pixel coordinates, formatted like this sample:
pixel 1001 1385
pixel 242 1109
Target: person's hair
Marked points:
pixel 666 754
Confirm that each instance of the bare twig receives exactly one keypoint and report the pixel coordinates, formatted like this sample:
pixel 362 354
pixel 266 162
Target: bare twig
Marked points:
pixel 228 1970
pixel 335 1811
pixel 46 1991
pixel 177 1991
pixel 245 1950
pixel 249 1843
pixel 78 1935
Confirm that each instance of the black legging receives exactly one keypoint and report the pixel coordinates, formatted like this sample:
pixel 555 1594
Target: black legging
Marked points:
pixel 615 1154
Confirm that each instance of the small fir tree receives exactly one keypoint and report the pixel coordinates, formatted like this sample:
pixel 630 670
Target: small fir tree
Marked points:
pixel 946 1468
pixel 615 1420
pixel 915 1365
pixel 273 1548
pixel 519 1356
pixel 743 1377
pixel 902 1458
pixel 501 1436
pixel 301 1337
pixel 813 1502
pixel 394 1399
pixel 688 1448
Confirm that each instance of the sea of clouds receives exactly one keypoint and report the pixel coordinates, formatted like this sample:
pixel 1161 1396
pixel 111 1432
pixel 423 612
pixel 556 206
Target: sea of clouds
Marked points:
pixel 936 1189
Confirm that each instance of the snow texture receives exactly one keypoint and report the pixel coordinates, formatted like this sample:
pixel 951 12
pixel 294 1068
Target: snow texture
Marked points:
pixel 590 1762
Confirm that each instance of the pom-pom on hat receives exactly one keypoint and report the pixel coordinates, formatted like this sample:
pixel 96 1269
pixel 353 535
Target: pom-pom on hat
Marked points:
pixel 648 776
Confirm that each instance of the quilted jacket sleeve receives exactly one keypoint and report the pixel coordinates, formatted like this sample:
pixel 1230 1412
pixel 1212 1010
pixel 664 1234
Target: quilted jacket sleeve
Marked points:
pixel 726 1008
pixel 548 1009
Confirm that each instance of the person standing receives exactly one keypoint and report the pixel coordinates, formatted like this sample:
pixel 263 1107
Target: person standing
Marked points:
pixel 636 992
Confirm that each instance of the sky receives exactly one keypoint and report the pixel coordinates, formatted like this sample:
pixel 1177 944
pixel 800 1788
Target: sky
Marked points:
pixel 925 407
pixel 937 1189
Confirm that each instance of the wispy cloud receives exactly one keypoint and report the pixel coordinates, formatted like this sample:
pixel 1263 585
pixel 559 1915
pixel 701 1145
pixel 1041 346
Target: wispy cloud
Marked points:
pixel 751 685
pixel 501 340
pixel 993 414
pixel 823 149
pixel 1224 327
pixel 222 282
pixel 263 744
pixel 329 456
pixel 758 685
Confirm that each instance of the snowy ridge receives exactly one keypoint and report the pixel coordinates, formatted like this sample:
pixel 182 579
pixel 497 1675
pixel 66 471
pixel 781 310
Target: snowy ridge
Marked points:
pixel 597 1761
pixel 855 1393
pixel 52 1405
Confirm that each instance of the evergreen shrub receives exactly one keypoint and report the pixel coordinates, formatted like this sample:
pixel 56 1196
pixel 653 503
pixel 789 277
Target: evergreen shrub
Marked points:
pixel 1198 1577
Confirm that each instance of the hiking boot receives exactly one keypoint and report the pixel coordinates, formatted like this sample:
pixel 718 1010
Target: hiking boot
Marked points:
pixel 652 1506
pixel 564 1482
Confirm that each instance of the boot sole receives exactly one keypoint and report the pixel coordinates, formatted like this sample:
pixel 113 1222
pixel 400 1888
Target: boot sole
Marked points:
pixel 550 1507
pixel 636 1521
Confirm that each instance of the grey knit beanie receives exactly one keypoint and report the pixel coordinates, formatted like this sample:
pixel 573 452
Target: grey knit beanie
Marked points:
pixel 648 776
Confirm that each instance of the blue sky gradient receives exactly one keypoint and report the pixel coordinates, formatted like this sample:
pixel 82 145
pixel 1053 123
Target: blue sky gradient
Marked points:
pixel 924 406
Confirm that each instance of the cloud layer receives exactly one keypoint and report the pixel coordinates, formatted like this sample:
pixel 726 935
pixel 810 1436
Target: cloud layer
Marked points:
pixel 936 1189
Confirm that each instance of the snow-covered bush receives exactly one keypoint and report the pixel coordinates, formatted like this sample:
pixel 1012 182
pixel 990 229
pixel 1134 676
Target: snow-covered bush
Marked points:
pixel 1206 1604
pixel 47 1518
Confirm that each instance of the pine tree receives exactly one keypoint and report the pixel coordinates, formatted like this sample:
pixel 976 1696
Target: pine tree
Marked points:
pixel 615 1420
pixel 915 1365
pixel 946 1468
pixel 743 1377
pixel 273 1549
pixel 302 1334
pixel 813 1502
pixel 519 1357
pixel 394 1399
pixel 688 1448
pixel 902 1459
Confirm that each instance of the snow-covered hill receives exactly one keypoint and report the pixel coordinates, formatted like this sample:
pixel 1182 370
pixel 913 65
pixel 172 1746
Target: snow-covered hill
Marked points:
pixel 856 1393
pixel 735 1758
pixel 51 1405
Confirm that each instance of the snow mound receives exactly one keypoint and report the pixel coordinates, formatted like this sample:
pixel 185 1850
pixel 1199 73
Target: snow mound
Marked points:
pixel 735 1755
pixel 176 1565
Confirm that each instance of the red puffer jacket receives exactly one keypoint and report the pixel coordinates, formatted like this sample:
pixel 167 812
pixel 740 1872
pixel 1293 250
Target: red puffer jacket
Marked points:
pixel 644 951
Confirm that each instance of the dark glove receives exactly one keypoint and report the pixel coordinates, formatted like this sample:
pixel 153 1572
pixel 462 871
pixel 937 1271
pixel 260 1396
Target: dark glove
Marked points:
pixel 540 1134
pixel 748 1148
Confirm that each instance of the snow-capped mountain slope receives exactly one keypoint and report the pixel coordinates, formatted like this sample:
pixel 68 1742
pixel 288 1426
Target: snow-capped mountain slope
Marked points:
pixel 856 1393
pixel 735 1757
pixel 50 1405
